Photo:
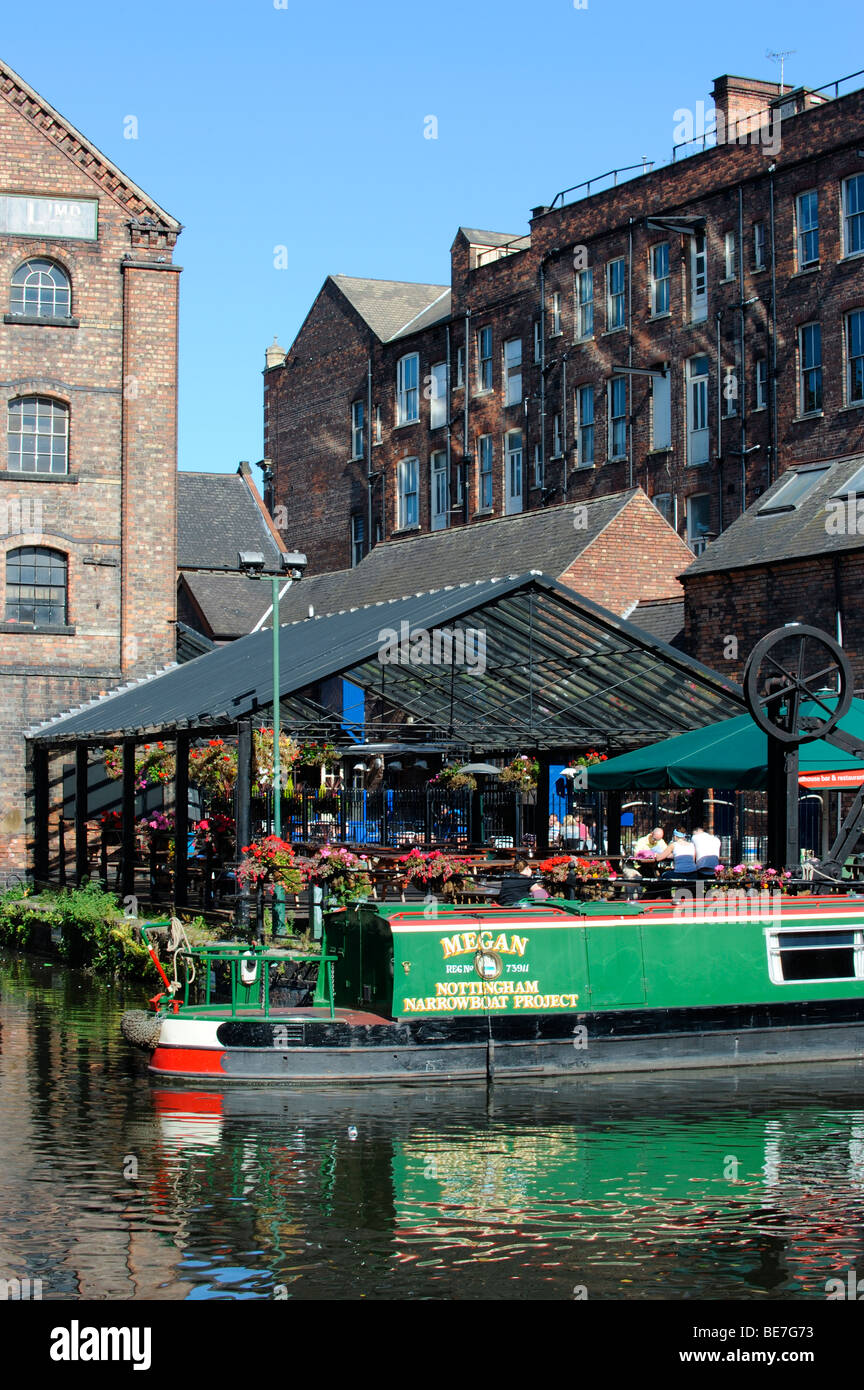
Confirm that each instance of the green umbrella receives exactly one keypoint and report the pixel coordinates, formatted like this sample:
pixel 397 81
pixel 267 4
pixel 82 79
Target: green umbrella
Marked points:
pixel 733 754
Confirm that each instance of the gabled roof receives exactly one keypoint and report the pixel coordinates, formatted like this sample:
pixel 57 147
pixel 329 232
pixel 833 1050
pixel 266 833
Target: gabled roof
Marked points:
pixel 662 617
pixel 229 603
pixel 763 537
pixel 388 306
pixel 556 670
pixel 219 514
pixel 544 540
pixel 64 135
pixel 480 238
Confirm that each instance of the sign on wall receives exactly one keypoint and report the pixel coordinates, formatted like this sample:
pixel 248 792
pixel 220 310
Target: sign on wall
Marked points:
pixel 21 215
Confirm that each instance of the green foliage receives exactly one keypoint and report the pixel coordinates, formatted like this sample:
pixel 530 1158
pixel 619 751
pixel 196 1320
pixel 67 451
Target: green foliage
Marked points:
pixel 92 929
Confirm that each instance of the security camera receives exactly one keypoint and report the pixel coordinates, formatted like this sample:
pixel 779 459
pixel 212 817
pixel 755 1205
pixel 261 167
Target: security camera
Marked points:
pixel 250 561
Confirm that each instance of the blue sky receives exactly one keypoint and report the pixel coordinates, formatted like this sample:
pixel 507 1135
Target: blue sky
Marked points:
pixel 303 127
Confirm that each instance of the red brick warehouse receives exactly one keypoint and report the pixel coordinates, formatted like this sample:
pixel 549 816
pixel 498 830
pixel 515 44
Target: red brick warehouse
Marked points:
pixel 695 330
pixel 88 378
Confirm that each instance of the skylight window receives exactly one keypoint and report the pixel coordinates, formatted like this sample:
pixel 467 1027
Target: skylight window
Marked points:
pixel 854 487
pixel 793 491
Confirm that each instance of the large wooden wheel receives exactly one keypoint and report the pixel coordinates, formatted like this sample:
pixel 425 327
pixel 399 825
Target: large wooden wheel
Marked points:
pixel 792 667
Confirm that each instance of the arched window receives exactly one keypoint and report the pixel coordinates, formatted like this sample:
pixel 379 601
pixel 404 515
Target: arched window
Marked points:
pixel 36 586
pixel 38 435
pixel 41 289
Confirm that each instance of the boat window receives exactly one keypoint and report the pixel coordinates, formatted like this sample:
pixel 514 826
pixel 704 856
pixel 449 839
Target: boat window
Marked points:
pixel 831 954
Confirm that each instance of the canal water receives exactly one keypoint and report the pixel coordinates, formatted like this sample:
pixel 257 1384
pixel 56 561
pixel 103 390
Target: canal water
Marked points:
pixel 746 1185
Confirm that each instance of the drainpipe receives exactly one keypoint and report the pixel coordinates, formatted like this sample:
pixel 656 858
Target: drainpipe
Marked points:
pixel 718 315
pixel 742 392
pixel 772 466
pixel 466 377
pixel 369 449
pixel 564 445
pixel 543 370
pixel 630 354
pixel 449 424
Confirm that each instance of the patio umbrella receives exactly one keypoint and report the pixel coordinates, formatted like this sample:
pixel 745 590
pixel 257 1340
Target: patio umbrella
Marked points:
pixel 732 753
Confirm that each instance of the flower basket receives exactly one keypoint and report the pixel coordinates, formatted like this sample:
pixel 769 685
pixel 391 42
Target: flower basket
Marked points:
pixel 213 767
pixel 343 875
pixel 442 875
pixel 269 861
pixel 154 765
pixel 453 779
pixel 746 876
pixel 555 871
pixel 215 835
pixel 588 758
pixel 522 773
pixel 262 758
pixel 317 754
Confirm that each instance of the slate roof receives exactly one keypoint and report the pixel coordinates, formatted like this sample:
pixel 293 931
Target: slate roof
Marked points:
pixel 231 603
pixel 217 515
pixel 663 618
pixel 760 539
pixel 388 306
pixel 541 540
pixel 480 238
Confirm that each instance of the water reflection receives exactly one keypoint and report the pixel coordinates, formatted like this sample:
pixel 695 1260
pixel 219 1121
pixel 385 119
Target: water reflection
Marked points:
pixel 744 1185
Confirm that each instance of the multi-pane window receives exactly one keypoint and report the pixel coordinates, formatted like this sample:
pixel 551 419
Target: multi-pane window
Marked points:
pixel 484 359
pixel 698 277
pixel 407 392
pixel 484 472
pixel 438 395
pixel 38 435
pixel 584 303
pixel 440 490
pixel 661 411
pixel 855 357
pixel 810 368
pixel 556 313
pixel 513 371
pixel 807 212
pixel 758 245
pixel 853 215
pixel 357 418
pixel 729 255
pixel 797 484
pixel 358 539
pixel 660 278
pixel 36 586
pixel 616 294
pixel 761 367
pixel 408 497
pixel 41 290
pixel 513 471
pixel 585 427
pixel 556 437
pixel 697 410
pixel 698 521
pixel 663 502
pixel 618 417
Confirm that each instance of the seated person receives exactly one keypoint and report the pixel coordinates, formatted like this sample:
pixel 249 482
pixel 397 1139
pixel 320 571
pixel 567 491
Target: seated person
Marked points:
pixel 516 884
pixel 682 852
pixel 650 846
pixel 707 849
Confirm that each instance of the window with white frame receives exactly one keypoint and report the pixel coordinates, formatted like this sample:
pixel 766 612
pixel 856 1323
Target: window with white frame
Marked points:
pixel 37 435
pixel 807 218
pixel 460 366
pixel 759 246
pixel 36 587
pixel 804 952
pixel 698 521
pixel 661 411
pixel 617 411
pixel 439 490
pixel 853 215
pixel 855 357
pixel 697 410
pixel 556 314
pixel 407 392
pixel 376 433
pixel 698 277
pixel 513 371
pixel 40 289
pixel 536 341
pixel 663 502
pixel 484 359
pixel 513 471
pixel 484 472
pixel 729 256
pixel 659 278
pixel 616 295
pixel 538 466
pixel 761 378
pixel 809 369
pixel 584 304
pixel 357 418
pixel 585 427
pixel 358 539
pixel 408 494
pixel 438 393
pixel 557 448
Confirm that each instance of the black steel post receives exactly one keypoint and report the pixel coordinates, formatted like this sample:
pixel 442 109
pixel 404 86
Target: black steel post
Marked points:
pixel 783 847
pixel 80 812
pixel 613 823
pixel 41 803
pixel 427 819
pixel 243 810
pixel 127 821
pixel 181 822
pixel 541 826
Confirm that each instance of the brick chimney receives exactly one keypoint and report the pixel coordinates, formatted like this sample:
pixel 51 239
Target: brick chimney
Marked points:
pixel 735 98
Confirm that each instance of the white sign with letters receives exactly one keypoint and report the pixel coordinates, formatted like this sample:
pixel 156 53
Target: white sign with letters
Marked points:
pixel 21 215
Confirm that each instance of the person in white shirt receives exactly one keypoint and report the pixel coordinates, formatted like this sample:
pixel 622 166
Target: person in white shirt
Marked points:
pixel 707 849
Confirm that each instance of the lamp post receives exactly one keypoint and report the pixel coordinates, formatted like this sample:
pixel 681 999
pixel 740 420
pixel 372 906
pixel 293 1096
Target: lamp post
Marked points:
pixel 251 563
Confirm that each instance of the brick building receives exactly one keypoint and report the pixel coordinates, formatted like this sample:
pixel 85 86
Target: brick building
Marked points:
pixel 693 330
pixel 88 365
